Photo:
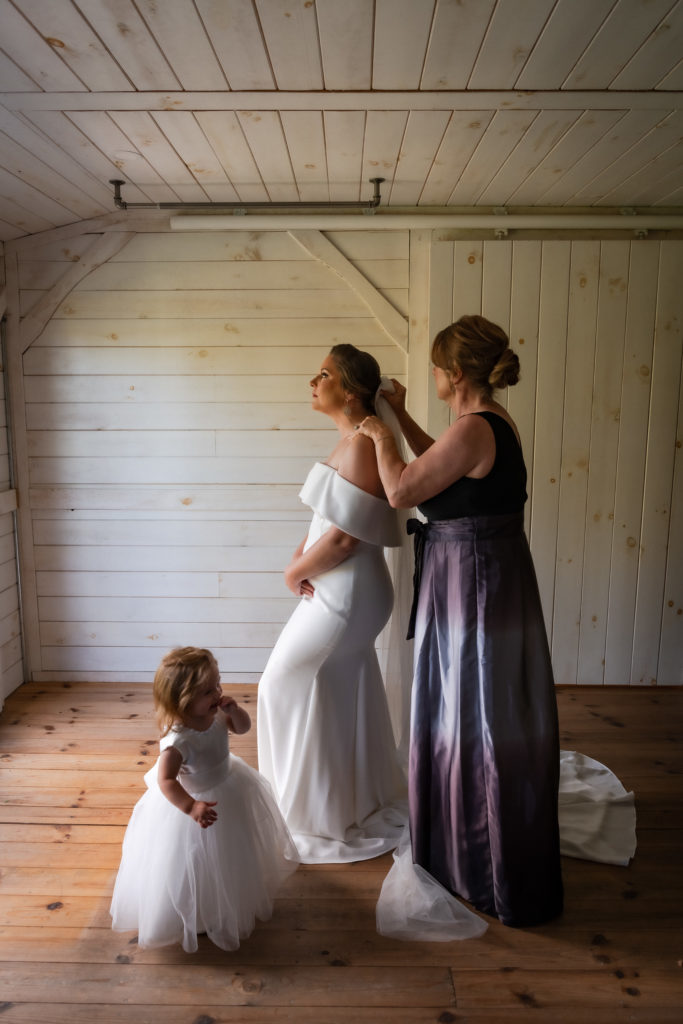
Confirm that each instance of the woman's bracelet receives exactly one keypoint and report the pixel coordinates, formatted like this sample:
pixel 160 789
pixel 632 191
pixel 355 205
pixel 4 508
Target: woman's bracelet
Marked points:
pixel 384 437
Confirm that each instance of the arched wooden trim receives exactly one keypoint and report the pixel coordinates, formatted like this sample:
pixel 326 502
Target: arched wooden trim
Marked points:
pixel 389 319
pixel 101 250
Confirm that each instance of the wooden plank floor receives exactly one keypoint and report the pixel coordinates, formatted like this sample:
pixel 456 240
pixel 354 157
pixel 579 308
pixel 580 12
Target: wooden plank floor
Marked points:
pixel 72 759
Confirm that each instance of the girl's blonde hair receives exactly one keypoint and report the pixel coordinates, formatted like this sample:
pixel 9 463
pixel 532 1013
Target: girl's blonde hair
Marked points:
pixel 481 349
pixel 181 672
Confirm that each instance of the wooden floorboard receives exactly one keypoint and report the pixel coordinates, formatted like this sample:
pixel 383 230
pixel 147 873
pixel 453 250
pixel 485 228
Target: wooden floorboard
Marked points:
pixel 72 757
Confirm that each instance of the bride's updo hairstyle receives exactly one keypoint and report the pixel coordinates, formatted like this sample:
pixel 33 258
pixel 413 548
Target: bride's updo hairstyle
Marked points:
pixel 176 681
pixel 359 372
pixel 481 350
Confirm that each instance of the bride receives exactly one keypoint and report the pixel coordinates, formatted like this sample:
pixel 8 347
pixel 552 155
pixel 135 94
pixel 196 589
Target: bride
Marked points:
pixel 325 740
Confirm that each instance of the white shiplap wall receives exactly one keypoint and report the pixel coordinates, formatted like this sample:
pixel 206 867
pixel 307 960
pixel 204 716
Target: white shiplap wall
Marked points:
pixel 169 430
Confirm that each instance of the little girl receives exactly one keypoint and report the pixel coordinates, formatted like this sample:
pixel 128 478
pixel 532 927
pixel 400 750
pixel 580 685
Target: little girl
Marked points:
pixel 206 847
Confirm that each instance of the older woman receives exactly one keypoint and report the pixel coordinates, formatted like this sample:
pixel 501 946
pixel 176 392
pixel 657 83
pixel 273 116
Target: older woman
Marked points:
pixel 484 757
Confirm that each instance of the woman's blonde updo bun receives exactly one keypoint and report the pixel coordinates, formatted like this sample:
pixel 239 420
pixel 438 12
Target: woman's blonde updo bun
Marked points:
pixel 481 350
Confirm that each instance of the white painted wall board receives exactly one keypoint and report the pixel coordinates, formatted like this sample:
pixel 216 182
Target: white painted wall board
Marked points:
pixel 552 353
pixel 74 139
pixel 344 134
pixel 168 470
pixel 186 136
pixel 291 35
pixel 253 500
pixel 34 54
pixel 33 197
pixel 183 609
pixel 345 32
pixel 635 403
pixel 126 36
pixel 523 334
pixel 659 466
pixel 496 285
pixel 233 27
pixel 159 559
pixel 145 659
pixel 568 30
pixel 76 44
pixel 639 158
pixel 26 220
pixel 670 661
pixel 460 140
pixel 211 415
pixel 423 135
pixel 195 303
pixel 618 140
pixel 109 586
pixel 579 369
pixel 401 32
pixel 502 134
pixel 181 444
pixel 578 140
pixel 146 137
pixel 602 465
pixel 22 162
pixel 136 533
pixel 384 131
pixel 265 138
pixel 546 132
pixel 182 38
pixel 468 263
pixel 626 27
pixel 225 136
pixel 457 32
pixel 13 79
pixel 305 140
pixel 145 634
pixel 317 332
pixel 507 43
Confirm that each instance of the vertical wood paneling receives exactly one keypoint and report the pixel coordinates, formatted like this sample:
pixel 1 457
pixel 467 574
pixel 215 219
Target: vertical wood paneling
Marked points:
pixel 604 445
pixel 635 406
pixel 552 354
pixel 670 659
pixel 524 308
pixel 571 523
pixel 656 522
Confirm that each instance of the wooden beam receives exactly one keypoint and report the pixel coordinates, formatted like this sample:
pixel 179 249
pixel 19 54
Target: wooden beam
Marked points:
pixel 102 249
pixel 3 301
pixel 391 321
pixel 120 220
pixel 474 99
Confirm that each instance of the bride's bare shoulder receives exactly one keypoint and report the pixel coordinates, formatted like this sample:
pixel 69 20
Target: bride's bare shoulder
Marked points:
pixel 358 464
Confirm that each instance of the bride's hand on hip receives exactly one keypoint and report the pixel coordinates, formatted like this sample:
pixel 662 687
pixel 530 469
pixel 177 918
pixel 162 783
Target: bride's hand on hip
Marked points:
pixel 299 587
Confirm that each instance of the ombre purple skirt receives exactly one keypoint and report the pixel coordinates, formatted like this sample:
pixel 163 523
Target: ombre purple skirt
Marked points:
pixel 484 757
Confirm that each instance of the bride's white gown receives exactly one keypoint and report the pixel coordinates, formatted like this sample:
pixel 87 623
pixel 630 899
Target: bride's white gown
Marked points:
pixel 325 740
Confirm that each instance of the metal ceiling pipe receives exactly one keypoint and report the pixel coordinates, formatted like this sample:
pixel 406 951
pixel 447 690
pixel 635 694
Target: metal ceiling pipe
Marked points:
pixel 382 221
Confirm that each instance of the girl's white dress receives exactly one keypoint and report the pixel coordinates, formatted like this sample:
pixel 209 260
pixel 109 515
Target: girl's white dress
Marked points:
pixel 325 740
pixel 176 879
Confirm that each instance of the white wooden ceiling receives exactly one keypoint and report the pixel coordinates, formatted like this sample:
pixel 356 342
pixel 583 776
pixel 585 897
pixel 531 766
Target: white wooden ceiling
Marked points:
pixel 456 103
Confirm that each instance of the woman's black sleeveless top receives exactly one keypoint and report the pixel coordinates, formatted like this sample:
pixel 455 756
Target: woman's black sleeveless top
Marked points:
pixel 501 492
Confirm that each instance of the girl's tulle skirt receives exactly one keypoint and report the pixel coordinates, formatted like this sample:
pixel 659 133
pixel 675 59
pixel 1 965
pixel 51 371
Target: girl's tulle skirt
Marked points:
pixel 177 880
